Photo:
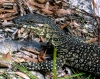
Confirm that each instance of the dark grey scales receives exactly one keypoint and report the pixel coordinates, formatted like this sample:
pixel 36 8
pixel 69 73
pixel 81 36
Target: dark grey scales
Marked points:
pixel 71 50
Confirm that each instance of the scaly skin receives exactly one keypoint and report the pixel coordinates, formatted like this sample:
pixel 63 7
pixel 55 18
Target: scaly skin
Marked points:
pixel 33 19
pixel 71 52
pixel 81 56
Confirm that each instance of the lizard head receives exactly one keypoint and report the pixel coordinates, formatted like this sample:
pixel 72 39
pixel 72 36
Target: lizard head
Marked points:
pixel 45 31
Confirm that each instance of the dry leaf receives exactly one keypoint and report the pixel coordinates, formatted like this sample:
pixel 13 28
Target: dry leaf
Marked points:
pixel 47 5
pixel 75 24
pixel 7 56
pixel 46 9
pixel 41 1
pixel 43 39
pixel 4 16
pixel 65 25
pixel 41 57
pixel 18 60
pixel 3 64
pixel 30 59
pixel 22 75
pixel 4 61
pixel 9 11
pixel 2 1
pixel 94 4
pixel 12 17
pixel 62 12
pixel 6 1
pixel 5 23
pixel 36 4
pixel 31 50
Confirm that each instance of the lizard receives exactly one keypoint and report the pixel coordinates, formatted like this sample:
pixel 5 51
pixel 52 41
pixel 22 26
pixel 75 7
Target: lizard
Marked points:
pixel 71 51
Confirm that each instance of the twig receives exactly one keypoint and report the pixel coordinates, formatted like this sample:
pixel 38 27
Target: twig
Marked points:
pixel 19 3
pixel 98 23
pixel 31 50
pixel 27 3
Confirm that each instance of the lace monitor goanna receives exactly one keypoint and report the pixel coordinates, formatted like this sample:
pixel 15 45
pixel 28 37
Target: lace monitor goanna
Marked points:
pixel 72 51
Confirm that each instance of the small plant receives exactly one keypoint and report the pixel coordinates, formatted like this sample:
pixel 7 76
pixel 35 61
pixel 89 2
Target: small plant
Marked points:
pixel 54 63
pixel 24 70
